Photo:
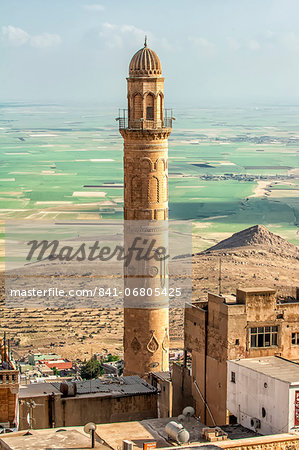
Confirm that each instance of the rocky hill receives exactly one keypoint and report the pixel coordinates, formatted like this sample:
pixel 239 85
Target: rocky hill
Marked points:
pixel 257 237
pixel 250 258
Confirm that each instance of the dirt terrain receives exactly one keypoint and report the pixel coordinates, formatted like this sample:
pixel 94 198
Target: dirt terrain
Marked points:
pixel 252 257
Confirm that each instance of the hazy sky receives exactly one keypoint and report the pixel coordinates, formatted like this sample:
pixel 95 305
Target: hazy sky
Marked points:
pixel 212 51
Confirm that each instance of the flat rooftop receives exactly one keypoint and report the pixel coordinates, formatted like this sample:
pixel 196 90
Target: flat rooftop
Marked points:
pixel 149 430
pixel 273 366
pixel 38 390
pixel 63 438
pixel 112 435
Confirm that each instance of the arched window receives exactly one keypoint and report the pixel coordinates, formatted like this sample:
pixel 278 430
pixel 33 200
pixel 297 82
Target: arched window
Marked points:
pixel 137 107
pixel 153 194
pixel 149 103
pixel 160 107
pixel 136 186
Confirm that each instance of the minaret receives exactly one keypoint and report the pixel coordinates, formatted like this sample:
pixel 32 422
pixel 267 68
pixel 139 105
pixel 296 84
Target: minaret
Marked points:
pixel 145 127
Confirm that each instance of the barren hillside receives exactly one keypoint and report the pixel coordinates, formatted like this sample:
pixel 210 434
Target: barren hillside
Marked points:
pixel 252 257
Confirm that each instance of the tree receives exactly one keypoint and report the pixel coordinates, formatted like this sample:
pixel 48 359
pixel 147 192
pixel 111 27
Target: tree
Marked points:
pixel 111 358
pixel 90 369
pixel 56 371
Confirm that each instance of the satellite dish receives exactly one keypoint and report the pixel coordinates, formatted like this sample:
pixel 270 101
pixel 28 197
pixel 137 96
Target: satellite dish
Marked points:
pixel 90 426
pixel 181 418
pixel 189 411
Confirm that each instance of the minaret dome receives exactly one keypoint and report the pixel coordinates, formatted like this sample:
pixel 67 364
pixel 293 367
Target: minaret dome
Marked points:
pixel 145 63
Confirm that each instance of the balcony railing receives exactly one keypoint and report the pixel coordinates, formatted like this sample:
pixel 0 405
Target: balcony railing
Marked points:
pixel 144 124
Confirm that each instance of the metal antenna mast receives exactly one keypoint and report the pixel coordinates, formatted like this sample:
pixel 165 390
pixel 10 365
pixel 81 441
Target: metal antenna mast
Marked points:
pixel 220 277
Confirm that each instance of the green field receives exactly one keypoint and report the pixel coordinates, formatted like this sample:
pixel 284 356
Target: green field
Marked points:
pixel 51 153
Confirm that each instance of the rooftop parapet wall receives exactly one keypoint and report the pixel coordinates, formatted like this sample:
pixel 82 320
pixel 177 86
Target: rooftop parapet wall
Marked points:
pixel 273 442
pixel 260 303
pixel 245 295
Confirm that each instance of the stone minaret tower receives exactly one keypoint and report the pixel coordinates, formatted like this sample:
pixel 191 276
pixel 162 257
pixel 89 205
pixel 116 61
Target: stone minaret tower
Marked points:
pixel 145 128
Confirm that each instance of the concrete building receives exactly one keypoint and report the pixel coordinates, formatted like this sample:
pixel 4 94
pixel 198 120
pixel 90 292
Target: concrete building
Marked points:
pixel 263 394
pixel 113 367
pixel 252 323
pixel 9 388
pixel 34 358
pixel 145 128
pixel 77 403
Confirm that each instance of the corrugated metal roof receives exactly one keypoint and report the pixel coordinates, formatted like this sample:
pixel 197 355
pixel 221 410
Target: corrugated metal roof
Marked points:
pixel 118 386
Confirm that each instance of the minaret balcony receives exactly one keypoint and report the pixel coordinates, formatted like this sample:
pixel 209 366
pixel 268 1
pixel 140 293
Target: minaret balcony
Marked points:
pixel 8 378
pixel 125 122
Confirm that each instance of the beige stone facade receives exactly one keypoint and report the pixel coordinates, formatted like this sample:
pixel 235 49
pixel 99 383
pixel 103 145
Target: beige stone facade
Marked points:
pixel 253 323
pixel 145 131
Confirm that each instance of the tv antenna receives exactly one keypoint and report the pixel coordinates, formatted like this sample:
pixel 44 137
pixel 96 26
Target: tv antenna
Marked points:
pixel 220 277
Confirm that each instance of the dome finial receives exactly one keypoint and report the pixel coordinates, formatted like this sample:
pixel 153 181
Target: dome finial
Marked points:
pixel 145 41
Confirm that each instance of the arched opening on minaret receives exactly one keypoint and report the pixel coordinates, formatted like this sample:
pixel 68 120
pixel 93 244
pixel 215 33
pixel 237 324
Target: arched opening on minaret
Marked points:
pixel 136 192
pixel 149 105
pixel 137 107
pixel 160 107
pixel 153 190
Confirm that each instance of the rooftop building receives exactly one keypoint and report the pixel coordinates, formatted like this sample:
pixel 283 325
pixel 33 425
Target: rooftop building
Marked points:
pixel 76 403
pixel 252 323
pixel 263 394
pixel 33 358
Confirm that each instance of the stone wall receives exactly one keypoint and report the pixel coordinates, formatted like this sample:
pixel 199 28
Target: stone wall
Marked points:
pixel 274 442
pixel 79 410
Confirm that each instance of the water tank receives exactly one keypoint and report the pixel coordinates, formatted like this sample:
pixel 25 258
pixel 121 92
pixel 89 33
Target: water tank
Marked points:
pixel 177 432
pixel 68 389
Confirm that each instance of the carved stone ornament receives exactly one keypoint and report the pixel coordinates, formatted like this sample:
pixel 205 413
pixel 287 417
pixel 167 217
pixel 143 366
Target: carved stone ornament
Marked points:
pixel 135 345
pixel 165 343
pixel 153 344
